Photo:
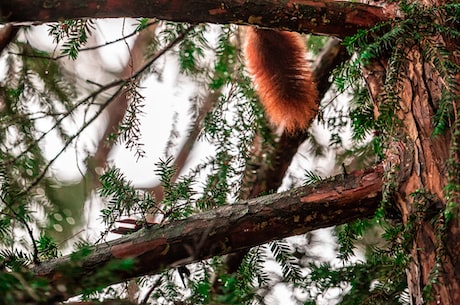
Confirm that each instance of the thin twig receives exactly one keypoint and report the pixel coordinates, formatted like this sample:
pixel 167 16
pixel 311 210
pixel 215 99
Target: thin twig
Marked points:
pixel 70 140
pixel 150 291
pixel 121 83
pixel 82 49
pixel 59 121
pixel 35 258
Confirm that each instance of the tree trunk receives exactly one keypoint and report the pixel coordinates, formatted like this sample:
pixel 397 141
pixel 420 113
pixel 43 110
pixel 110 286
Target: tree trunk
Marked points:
pixel 418 161
pixel 429 176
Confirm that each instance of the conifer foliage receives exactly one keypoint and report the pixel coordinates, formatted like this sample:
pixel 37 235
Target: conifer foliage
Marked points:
pixel 236 225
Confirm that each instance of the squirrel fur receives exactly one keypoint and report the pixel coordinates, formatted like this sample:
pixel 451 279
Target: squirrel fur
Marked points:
pixel 282 77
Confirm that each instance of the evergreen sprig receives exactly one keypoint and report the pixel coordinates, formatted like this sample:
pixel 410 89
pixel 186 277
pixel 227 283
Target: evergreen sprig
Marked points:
pixel 124 199
pixel 178 201
pixel 290 267
pixel 129 131
pixel 73 34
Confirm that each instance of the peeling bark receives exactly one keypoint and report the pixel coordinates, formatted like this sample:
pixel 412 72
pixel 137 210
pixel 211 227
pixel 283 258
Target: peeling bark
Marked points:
pixel 429 175
pixel 419 162
pixel 263 177
pixel 223 230
pixel 420 157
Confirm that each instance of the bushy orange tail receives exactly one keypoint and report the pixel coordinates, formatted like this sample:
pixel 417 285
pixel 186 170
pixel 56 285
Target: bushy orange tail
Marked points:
pixel 283 80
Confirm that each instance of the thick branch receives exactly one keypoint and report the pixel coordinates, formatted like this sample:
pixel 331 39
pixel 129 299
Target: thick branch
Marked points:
pixel 224 230
pixel 264 177
pixel 337 18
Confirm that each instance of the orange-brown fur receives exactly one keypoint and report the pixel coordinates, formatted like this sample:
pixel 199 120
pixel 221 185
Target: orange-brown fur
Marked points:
pixel 283 80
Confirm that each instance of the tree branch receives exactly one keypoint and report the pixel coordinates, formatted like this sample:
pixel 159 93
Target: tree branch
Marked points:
pixel 337 18
pixel 7 34
pixel 117 109
pixel 268 177
pixel 105 302
pixel 223 230
pixel 264 177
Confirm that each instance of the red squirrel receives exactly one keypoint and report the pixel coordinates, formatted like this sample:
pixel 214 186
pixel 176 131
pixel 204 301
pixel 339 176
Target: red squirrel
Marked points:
pixel 282 77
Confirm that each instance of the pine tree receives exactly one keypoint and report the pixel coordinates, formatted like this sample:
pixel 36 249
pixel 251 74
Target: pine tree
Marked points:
pixel 222 221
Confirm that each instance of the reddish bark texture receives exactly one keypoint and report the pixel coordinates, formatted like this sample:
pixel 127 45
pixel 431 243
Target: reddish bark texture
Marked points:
pixel 420 157
pixel 429 174
pixel 224 230
pixel 337 18
pixel 419 162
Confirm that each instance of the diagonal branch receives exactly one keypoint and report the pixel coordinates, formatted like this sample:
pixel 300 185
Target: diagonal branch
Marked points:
pixel 7 34
pixel 267 177
pixel 270 176
pixel 116 110
pixel 223 230
pixel 337 18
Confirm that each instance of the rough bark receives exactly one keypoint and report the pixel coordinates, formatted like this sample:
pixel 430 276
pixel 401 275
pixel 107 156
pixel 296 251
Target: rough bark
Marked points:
pixel 428 174
pixel 421 158
pixel 418 160
pixel 337 18
pixel 220 231
pixel 262 177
